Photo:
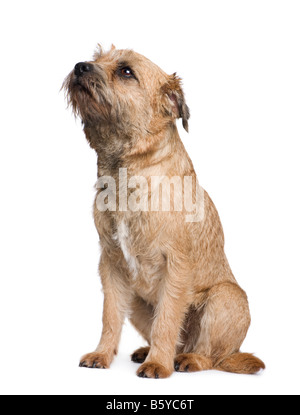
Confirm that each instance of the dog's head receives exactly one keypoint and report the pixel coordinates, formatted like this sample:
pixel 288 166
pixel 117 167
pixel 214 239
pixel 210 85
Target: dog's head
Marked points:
pixel 125 92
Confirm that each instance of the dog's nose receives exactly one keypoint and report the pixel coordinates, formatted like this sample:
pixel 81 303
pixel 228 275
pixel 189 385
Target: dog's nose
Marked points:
pixel 82 67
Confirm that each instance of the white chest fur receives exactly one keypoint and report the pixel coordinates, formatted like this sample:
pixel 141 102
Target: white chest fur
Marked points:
pixel 123 237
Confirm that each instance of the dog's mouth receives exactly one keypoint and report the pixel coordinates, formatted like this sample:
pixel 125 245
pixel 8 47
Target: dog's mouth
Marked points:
pixel 82 86
pixel 85 95
pixel 86 88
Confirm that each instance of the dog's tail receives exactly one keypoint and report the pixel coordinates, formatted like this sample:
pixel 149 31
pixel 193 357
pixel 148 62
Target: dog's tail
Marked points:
pixel 243 363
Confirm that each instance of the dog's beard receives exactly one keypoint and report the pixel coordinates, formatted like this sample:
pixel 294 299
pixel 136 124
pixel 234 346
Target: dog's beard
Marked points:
pixel 86 97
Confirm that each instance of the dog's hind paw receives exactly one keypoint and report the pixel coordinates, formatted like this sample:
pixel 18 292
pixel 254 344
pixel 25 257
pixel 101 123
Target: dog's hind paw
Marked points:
pixel 139 356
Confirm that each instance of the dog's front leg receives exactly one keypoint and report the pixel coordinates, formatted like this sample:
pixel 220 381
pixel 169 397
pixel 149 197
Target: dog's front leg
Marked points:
pixel 170 312
pixel 113 315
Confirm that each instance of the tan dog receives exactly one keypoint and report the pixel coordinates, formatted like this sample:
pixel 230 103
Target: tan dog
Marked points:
pixel 165 270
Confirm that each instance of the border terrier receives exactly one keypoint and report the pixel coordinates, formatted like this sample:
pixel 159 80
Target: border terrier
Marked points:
pixel 168 275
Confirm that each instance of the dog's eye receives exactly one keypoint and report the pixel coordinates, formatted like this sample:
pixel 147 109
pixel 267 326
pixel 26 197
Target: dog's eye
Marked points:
pixel 127 72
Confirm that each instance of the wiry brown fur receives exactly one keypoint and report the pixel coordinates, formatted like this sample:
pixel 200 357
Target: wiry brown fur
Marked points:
pixel 170 277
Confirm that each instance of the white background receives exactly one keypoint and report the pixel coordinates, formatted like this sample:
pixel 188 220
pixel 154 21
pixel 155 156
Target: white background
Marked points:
pixel 240 63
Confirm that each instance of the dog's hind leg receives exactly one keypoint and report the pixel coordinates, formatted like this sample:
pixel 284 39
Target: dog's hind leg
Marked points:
pixel 214 332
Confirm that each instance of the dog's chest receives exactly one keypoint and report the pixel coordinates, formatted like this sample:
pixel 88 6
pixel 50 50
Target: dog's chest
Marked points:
pixel 145 262
pixel 124 239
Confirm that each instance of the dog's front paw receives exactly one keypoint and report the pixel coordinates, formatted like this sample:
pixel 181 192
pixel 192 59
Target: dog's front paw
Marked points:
pixel 153 370
pixel 95 361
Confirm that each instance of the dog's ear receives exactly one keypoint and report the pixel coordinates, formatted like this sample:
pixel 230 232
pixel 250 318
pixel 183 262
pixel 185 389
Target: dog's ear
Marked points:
pixel 174 101
pixel 98 52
